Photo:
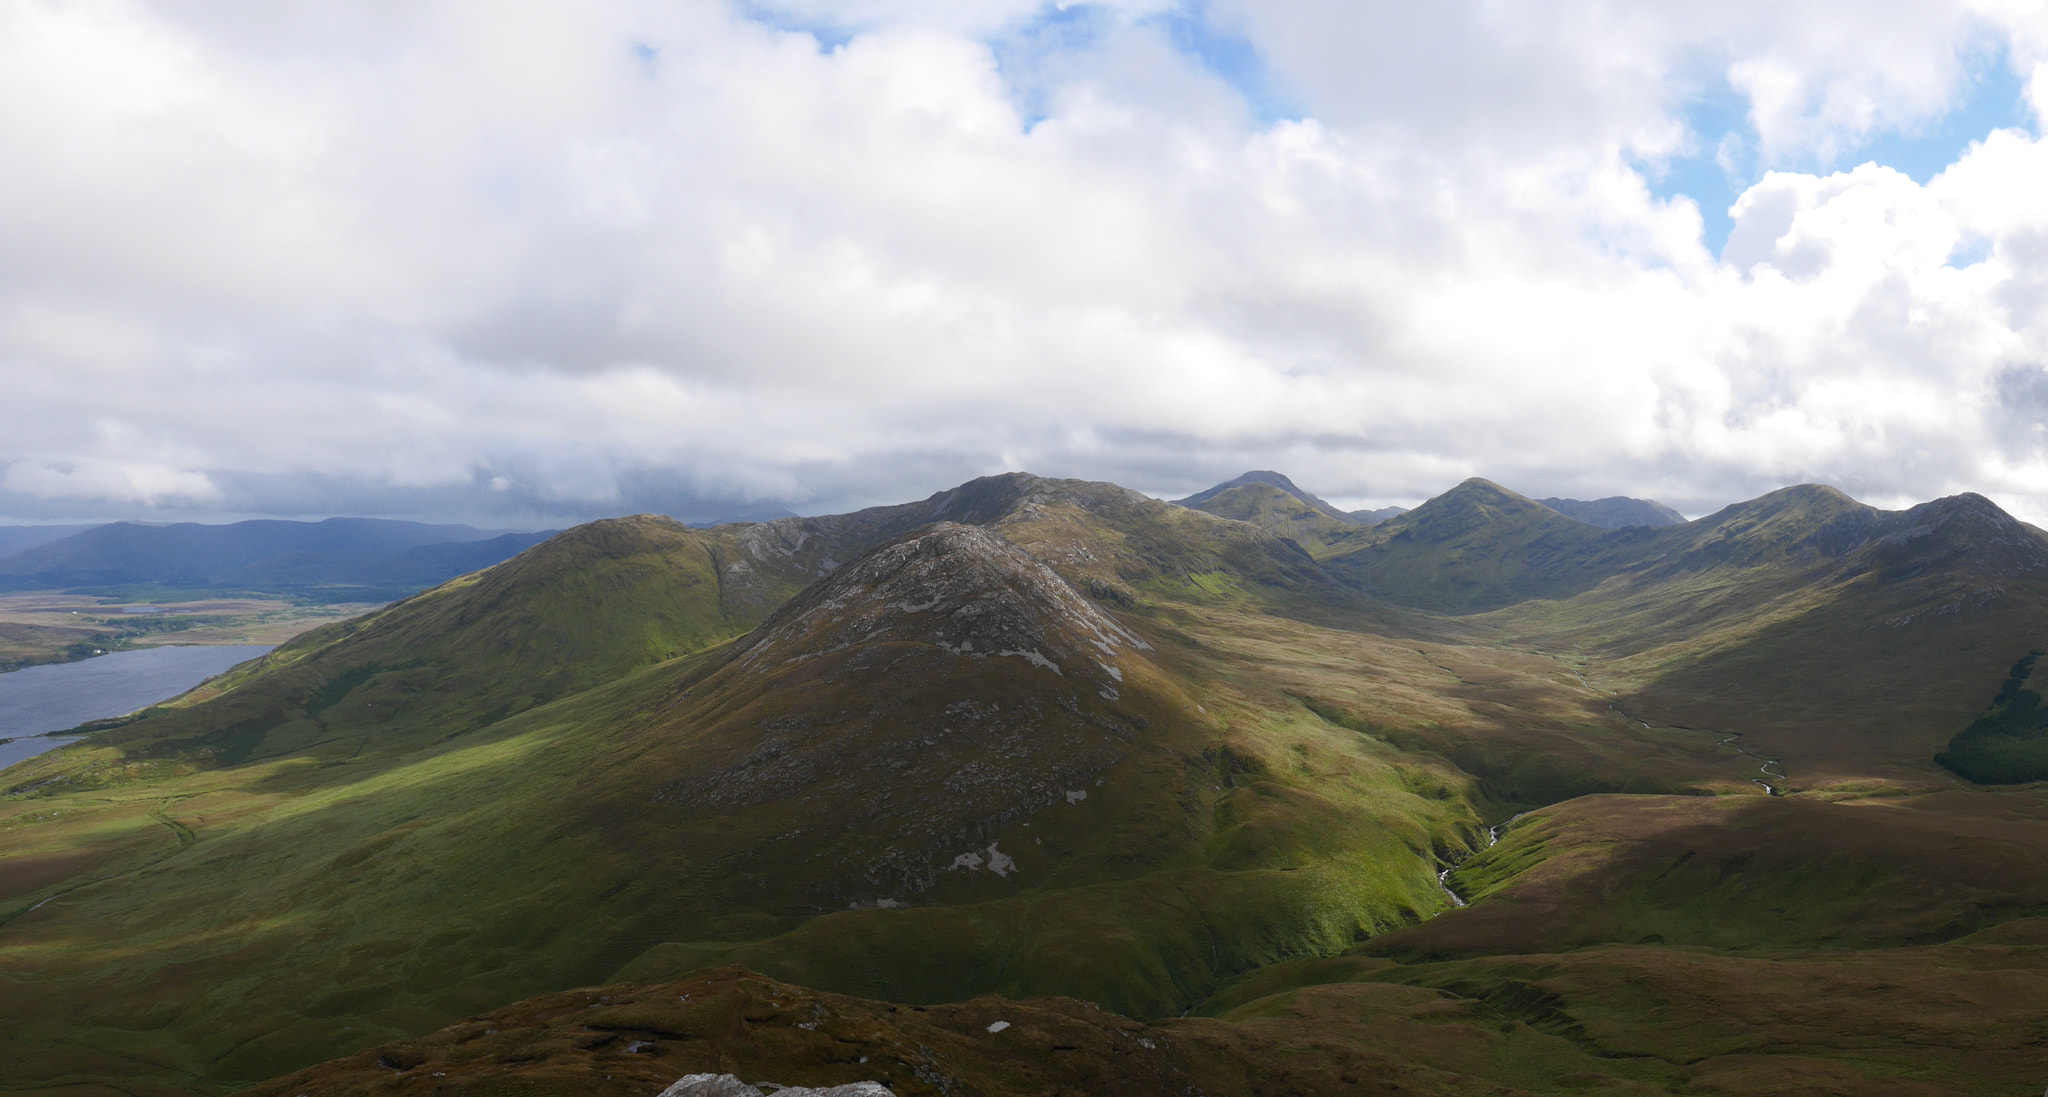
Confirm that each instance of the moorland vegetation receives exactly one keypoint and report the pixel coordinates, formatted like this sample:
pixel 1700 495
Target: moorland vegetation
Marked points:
pixel 1465 800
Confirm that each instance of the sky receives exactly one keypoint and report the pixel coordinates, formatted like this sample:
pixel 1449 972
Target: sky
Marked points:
pixel 523 264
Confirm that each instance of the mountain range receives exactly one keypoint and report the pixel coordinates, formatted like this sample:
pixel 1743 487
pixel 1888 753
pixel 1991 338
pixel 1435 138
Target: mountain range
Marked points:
pixel 339 559
pixel 1478 798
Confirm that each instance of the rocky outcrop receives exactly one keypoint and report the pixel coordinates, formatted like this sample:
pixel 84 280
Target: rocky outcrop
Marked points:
pixel 727 1085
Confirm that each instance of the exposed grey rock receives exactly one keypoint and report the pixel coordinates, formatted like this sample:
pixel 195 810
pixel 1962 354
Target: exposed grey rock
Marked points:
pixel 710 1085
pixel 727 1085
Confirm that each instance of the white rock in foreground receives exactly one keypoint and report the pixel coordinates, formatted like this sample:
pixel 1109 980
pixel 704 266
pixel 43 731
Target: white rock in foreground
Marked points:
pixel 727 1085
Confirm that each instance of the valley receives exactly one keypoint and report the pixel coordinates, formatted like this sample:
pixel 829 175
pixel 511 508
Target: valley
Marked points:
pixel 1168 790
pixel 48 627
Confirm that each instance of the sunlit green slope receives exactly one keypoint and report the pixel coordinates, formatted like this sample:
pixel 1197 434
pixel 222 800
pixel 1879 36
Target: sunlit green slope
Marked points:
pixel 1027 736
pixel 525 780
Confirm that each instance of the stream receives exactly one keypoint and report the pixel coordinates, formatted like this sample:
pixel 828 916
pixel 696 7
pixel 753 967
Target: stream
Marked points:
pixel 1732 740
pixel 1769 768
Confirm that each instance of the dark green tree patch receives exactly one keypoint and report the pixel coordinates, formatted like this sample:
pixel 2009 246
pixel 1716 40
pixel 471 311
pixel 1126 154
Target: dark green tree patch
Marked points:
pixel 2008 744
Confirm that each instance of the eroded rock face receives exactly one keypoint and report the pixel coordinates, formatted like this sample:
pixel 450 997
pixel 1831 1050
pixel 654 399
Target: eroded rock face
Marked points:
pixel 911 704
pixel 727 1085
pixel 958 588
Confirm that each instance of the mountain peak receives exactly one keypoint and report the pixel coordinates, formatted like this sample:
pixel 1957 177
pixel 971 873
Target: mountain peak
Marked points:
pixel 953 678
pixel 1616 511
pixel 1966 532
pixel 983 499
pixel 957 588
pixel 1268 478
pixel 1477 498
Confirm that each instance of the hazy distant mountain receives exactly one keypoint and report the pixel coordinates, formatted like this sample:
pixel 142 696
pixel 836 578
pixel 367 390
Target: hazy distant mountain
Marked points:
pixel 1616 512
pixel 15 538
pixel 1375 517
pixel 1201 499
pixel 1272 501
pixel 349 558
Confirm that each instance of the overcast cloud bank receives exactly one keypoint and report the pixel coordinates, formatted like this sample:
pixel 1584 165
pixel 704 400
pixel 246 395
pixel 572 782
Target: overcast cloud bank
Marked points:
pixel 507 262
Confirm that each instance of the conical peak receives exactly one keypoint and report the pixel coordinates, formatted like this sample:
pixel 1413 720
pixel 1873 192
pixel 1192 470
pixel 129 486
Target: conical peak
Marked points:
pixel 955 587
pixel 1267 476
pixel 1270 479
pixel 984 499
pixel 1968 507
pixel 1477 501
pixel 1817 499
pixel 1968 527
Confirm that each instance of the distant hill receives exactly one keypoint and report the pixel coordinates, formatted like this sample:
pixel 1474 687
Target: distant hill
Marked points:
pixel 1616 512
pixel 15 538
pixel 1374 517
pixel 1476 546
pixel 340 559
pixel 1205 500
pixel 1274 503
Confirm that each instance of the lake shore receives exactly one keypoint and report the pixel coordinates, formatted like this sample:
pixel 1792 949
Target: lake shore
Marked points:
pixel 37 701
pixel 39 628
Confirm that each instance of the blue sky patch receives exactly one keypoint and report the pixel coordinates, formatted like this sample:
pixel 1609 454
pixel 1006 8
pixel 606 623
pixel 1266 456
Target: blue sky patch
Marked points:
pixel 1723 160
pixel 1233 59
pixel 828 34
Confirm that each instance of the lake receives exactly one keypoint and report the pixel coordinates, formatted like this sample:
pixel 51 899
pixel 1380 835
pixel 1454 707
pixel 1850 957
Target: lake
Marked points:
pixel 35 700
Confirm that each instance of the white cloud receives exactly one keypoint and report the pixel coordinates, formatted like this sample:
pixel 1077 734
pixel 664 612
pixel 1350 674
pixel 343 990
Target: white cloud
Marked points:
pixel 453 254
pixel 115 482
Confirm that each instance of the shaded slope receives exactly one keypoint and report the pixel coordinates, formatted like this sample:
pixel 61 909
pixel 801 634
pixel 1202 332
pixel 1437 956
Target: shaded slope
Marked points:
pixel 914 702
pixel 584 608
pixel 615 595
pixel 733 1021
pixel 1747 873
pixel 1728 945
pixel 1848 640
pixel 1616 511
pixel 14 539
pixel 1478 546
pixel 948 721
pixel 934 711
pixel 390 852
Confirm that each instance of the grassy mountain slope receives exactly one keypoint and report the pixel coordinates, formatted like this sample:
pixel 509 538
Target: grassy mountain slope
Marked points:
pixel 1281 513
pixel 591 605
pixel 1851 642
pixel 1476 547
pixel 1208 498
pixel 734 1021
pixel 1732 945
pixel 1616 511
pixel 1848 640
pixel 1076 741
pixel 368 833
